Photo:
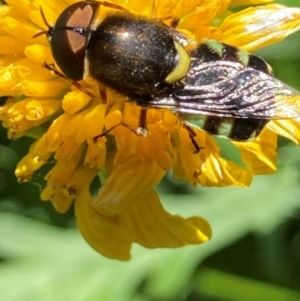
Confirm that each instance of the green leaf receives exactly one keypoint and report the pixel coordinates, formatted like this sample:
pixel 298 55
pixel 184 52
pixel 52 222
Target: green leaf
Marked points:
pixel 8 158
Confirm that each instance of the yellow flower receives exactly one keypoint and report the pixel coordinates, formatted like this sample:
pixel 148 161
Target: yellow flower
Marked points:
pixel 126 209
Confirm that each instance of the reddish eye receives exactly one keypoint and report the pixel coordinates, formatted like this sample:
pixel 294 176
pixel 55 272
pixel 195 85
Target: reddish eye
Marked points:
pixel 68 45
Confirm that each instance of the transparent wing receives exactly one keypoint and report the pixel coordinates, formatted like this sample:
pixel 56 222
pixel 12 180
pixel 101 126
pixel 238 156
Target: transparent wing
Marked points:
pixel 229 89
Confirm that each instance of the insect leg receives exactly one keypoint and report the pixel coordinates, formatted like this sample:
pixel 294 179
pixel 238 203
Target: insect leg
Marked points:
pixel 140 131
pixel 192 136
pixel 102 93
pixel 52 68
pixel 95 139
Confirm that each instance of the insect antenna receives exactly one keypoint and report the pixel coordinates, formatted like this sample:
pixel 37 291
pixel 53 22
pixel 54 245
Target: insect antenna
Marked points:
pixel 50 28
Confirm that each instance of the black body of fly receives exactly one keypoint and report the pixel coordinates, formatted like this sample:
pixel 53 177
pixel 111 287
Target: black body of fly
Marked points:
pixel 215 87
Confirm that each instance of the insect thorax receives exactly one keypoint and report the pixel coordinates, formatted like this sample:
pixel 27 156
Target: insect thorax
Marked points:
pixel 131 54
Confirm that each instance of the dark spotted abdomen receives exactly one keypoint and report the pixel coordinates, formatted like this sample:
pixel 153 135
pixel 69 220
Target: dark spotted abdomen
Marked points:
pixel 240 129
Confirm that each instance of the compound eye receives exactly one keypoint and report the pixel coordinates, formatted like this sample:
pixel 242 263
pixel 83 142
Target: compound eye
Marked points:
pixel 68 45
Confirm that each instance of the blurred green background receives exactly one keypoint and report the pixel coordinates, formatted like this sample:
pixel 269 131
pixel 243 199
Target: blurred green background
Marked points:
pixel 254 253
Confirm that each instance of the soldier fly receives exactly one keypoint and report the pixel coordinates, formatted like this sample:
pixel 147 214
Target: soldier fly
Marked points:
pixel 215 87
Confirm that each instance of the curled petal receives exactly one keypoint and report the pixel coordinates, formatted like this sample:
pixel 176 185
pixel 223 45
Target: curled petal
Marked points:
pixel 142 220
pixel 153 227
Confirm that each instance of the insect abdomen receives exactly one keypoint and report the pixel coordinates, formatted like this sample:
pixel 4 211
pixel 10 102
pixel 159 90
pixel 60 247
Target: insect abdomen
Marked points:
pixel 211 50
pixel 239 129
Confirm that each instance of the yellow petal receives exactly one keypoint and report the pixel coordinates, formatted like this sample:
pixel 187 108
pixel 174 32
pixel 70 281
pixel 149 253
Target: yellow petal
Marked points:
pixel 29 164
pixel 21 5
pixel 62 171
pixel 28 70
pixel 143 7
pixel 80 179
pixel 128 181
pixel 40 109
pixel 86 124
pixel 40 149
pixel 65 182
pixel 9 81
pixel 68 149
pixel 59 198
pixel 20 116
pixel 37 88
pixel 203 13
pixel 95 155
pixel 153 227
pixel 10 45
pixel 6 61
pixel 38 54
pixel 260 155
pixel 51 10
pixel 286 128
pixel 53 137
pixel 187 163
pixel 142 220
pixel 257 27
pixel 20 29
pixel 75 101
pixel 26 77
pixel 249 2
pixel 101 229
pixel 217 171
